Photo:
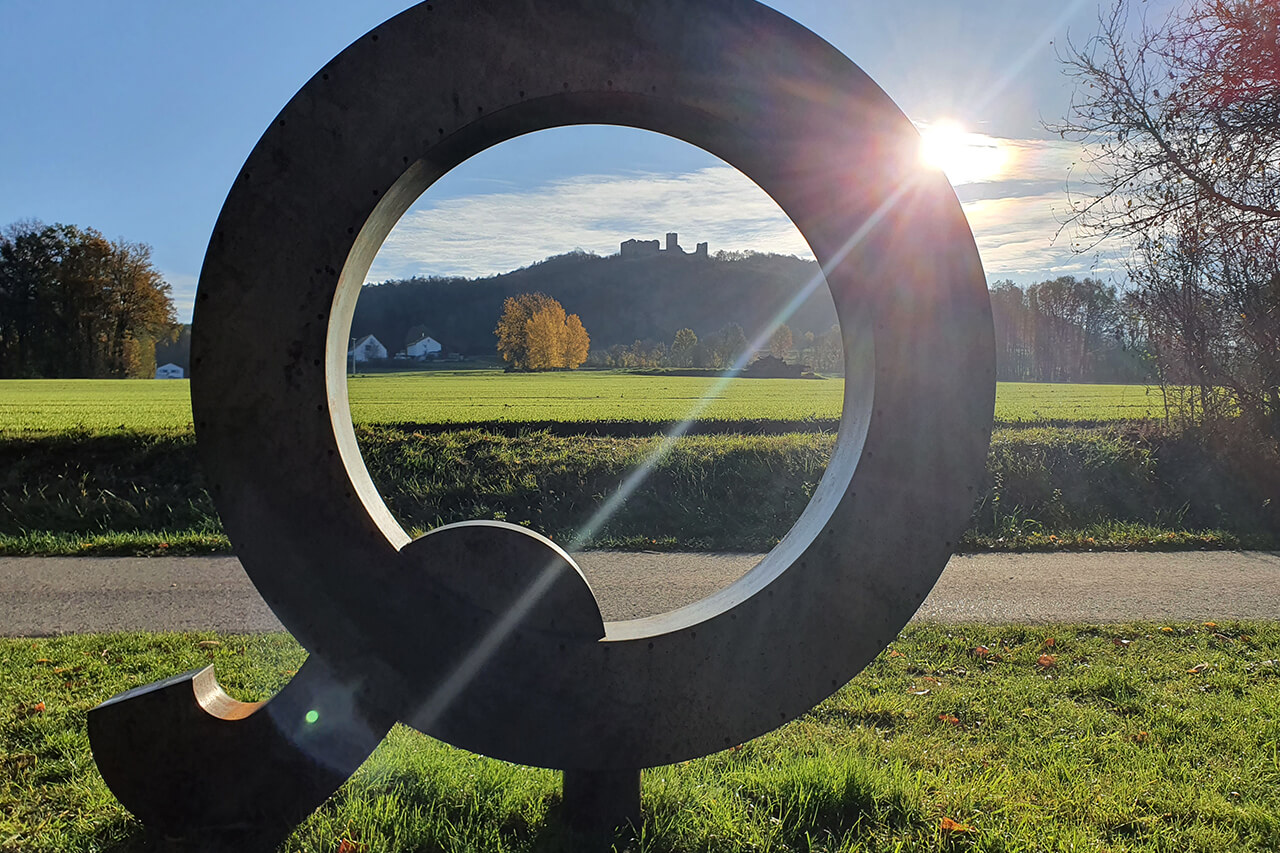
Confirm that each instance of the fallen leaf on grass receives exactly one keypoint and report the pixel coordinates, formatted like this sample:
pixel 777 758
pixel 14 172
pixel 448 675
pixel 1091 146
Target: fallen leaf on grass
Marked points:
pixel 208 644
pixel 1198 668
pixel 1048 642
pixel 948 718
pixel 982 651
pixel 1140 737
pixel 1047 661
pixel 1211 624
pixel 43 660
pixel 349 846
pixel 1166 629
pixel 894 653
pixel 949 825
pixel 38 708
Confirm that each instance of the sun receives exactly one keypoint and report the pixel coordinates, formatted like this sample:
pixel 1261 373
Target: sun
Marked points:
pixel 965 157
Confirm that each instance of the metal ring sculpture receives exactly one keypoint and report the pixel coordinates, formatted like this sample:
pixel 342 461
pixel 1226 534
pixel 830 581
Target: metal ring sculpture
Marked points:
pixel 486 635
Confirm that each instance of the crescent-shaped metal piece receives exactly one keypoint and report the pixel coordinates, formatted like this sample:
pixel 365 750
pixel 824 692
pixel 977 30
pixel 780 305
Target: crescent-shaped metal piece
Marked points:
pixel 434 86
pixel 189 760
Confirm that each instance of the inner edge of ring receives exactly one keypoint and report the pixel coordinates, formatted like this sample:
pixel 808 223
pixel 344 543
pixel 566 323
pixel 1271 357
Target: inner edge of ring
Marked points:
pixel 857 334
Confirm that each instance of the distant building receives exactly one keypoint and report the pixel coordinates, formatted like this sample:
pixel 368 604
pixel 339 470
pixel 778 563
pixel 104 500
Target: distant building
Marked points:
pixel 367 348
pixel 169 371
pixel 650 248
pixel 423 348
pixel 640 248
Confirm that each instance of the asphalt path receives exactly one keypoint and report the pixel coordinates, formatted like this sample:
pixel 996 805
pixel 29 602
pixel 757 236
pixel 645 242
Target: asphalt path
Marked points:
pixel 44 596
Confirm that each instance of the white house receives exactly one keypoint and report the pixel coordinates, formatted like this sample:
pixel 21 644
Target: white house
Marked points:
pixel 168 371
pixel 424 348
pixel 367 348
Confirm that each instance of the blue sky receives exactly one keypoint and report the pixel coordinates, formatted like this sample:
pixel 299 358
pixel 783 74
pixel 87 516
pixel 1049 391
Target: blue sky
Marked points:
pixel 133 117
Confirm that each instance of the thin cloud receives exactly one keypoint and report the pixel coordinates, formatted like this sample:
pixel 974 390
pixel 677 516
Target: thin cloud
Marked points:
pixel 1018 218
pixel 1016 238
pixel 184 293
pixel 496 232
pixel 989 190
pixel 1015 218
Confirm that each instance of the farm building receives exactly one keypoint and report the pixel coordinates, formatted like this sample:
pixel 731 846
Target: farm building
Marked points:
pixel 367 348
pixel 423 348
pixel 169 371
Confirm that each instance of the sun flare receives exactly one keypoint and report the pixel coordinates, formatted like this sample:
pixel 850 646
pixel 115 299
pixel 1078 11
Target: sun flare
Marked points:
pixel 965 157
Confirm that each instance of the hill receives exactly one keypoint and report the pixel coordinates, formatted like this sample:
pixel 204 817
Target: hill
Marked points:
pixel 620 299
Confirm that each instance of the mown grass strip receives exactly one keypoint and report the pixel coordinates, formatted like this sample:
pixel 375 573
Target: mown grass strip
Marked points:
pixel 122 543
pixel 1139 737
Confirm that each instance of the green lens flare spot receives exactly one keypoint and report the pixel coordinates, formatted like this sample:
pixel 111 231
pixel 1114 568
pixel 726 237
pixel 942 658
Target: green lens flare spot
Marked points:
pixel 312 716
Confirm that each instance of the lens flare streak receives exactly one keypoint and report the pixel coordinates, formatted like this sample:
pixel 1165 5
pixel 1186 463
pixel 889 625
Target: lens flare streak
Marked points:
pixel 471 665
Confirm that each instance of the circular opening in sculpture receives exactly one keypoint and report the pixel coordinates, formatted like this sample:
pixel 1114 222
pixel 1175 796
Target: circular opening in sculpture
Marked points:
pixel 609 336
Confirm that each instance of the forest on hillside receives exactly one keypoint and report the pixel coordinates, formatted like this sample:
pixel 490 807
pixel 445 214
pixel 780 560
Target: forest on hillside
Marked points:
pixel 1059 330
pixel 621 300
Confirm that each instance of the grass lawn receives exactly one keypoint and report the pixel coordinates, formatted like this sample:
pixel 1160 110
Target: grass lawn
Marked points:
pixel 1070 738
pixel 41 406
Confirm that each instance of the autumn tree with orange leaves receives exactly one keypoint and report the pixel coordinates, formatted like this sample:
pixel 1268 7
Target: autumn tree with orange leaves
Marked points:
pixel 534 333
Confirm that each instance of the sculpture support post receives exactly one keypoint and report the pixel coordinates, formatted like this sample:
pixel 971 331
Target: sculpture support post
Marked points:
pixel 600 802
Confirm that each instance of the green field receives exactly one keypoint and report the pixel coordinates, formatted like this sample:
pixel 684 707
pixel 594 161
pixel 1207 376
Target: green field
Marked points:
pixel 109 466
pixel 30 406
pixel 469 397
pixel 1140 738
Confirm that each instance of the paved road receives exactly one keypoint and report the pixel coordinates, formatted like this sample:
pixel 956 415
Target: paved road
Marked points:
pixel 52 595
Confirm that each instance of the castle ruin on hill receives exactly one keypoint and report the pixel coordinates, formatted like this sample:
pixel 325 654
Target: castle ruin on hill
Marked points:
pixel 648 248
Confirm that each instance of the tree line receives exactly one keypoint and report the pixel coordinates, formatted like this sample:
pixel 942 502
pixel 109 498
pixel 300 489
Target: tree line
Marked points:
pixel 1179 121
pixel 1069 330
pixel 722 349
pixel 74 304
pixel 621 300
pixel 535 333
